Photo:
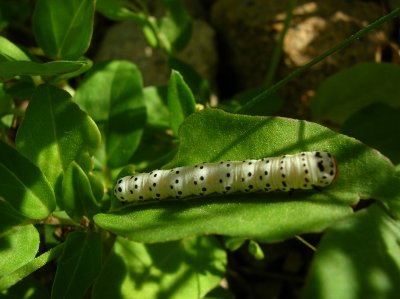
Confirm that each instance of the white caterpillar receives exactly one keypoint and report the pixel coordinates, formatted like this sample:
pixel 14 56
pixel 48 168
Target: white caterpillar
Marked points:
pixel 305 170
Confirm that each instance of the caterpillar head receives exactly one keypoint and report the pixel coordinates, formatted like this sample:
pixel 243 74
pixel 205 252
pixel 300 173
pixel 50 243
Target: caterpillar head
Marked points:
pixel 326 168
pixel 119 190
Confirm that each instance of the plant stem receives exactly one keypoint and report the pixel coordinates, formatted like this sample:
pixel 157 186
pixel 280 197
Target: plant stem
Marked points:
pixel 277 54
pixel 265 94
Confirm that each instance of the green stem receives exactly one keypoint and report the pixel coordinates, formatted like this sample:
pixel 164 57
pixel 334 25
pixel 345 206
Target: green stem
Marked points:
pixel 276 56
pixel 313 248
pixel 264 95
pixel 9 280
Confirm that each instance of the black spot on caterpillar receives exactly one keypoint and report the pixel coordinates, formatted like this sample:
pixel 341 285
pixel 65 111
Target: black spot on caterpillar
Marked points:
pixel 305 170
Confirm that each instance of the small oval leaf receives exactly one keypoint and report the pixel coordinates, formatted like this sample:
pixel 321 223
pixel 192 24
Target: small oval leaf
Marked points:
pixel 112 95
pixel 78 199
pixel 63 29
pixel 181 101
pixel 23 185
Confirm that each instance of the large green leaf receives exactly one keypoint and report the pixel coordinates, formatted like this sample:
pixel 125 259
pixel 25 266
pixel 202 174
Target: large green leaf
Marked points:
pixel 254 216
pixel 18 246
pixel 358 258
pixel 56 132
pixel 186 269
pixel 23 185
pixel 213 135
pixel 9 69
pixel 78 196
pixel 354 88
pixel 78 266
pixel 112 94
pixel 63 29
pixel 180 100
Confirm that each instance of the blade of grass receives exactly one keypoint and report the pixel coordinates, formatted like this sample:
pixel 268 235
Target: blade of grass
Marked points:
pixel 264 95
pixel 277 54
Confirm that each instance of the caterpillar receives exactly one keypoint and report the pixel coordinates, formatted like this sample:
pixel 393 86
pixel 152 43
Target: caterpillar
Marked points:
pixel 306 170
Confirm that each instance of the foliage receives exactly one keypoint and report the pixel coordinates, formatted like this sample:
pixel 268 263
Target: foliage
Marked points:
pixel 88 123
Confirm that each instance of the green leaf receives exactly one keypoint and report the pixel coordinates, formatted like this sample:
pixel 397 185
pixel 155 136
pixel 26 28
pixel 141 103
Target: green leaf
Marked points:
pixel 116 10
pixel 376 125
pixel 78 199
pixel 358 258
pixel 55 132
pixel 61 78
pixel 122 10
pixel 10 51
pixel 212 135
pixel 256 250
pixel 78 266
pixel 181 102
pixel 63 29
pixel 199 86
pixel 23 185
pixel 18 246
pixel 259 218
pixel 96 183
pixel 176 25
pixel 30 267
pixel 112 94
pixel 9 69
pixel 185 269
pixel 346 92
pixel 233 244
